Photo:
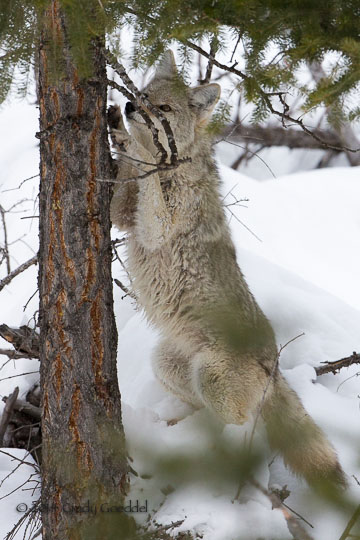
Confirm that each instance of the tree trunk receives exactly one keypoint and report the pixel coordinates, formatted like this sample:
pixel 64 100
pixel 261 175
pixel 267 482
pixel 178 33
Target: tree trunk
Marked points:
pixel 84 469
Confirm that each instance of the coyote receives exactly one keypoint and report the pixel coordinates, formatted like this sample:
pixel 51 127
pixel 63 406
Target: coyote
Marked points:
pixel 217 348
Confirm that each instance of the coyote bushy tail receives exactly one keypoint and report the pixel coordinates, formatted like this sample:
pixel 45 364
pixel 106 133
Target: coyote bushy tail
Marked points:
pixel 293 433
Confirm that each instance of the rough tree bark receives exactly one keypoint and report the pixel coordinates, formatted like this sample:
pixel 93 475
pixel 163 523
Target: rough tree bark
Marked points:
pixel 84 461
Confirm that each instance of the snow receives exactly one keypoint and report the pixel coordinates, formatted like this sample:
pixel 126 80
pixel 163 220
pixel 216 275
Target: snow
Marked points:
pixel 303 273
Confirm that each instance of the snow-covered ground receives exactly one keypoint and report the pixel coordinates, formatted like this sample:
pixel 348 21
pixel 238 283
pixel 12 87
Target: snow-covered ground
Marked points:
pixel 302 267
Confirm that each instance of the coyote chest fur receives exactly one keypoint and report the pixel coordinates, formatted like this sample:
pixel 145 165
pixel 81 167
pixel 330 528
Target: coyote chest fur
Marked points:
pixel 217 348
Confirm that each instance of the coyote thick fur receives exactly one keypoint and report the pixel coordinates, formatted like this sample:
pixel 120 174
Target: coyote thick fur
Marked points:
pixel 217 347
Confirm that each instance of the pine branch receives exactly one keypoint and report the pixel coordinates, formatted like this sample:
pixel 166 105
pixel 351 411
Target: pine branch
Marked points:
pixel 266 96
pixel 283 115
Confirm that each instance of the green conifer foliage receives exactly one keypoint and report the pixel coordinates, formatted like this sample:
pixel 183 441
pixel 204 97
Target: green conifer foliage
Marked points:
pixel 298 30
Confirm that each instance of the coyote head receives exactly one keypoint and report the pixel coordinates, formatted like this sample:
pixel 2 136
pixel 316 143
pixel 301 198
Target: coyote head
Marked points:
pixel 186 109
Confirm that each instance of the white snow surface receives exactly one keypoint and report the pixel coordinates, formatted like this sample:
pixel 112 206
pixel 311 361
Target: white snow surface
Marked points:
pixel 303 273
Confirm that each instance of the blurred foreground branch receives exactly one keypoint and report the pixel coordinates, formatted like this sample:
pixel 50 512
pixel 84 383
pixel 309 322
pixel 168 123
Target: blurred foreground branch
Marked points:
pixel 296 530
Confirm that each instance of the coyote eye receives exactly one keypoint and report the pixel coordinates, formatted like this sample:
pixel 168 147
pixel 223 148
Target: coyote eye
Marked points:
pixel 165 108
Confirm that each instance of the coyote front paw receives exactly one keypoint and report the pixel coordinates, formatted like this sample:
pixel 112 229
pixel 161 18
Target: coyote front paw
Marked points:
pixel 114 117
pixel 119 136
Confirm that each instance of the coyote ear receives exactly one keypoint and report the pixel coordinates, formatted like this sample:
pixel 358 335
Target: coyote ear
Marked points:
pixel 204 99
pixel 166 68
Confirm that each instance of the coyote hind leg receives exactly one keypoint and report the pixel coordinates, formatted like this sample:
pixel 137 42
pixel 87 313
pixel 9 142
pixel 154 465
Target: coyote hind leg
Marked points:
pixel 173 369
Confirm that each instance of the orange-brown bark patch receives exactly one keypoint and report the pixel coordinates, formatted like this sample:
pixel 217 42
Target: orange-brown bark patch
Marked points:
pixel 60 179
pixel 58 377
pixel 83 456
pixel 80 102
pixel 94 225
pixel 97 348
pixel 90 275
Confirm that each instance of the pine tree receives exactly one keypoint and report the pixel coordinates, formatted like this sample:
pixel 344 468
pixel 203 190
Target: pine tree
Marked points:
pixel 84 464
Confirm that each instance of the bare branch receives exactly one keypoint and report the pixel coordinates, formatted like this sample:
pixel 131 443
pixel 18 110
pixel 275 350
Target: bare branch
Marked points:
pixel 145 117
pixel 17 271
pixel 236 46
pixel 21 183
pixel 213 49
pixel 250 152
pixel 6 245
pixel 141 100
pixel 277 136
pixel 19 375
pixel 148 173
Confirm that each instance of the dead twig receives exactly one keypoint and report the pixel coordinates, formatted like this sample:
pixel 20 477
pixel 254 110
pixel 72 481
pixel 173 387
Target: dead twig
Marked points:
pixel 21 183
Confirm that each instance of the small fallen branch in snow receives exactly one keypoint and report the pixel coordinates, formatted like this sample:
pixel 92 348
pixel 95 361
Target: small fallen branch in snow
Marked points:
pixel 334 367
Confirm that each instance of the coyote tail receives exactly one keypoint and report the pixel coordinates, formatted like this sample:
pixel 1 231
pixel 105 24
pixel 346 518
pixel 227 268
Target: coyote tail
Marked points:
pixel 293 433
